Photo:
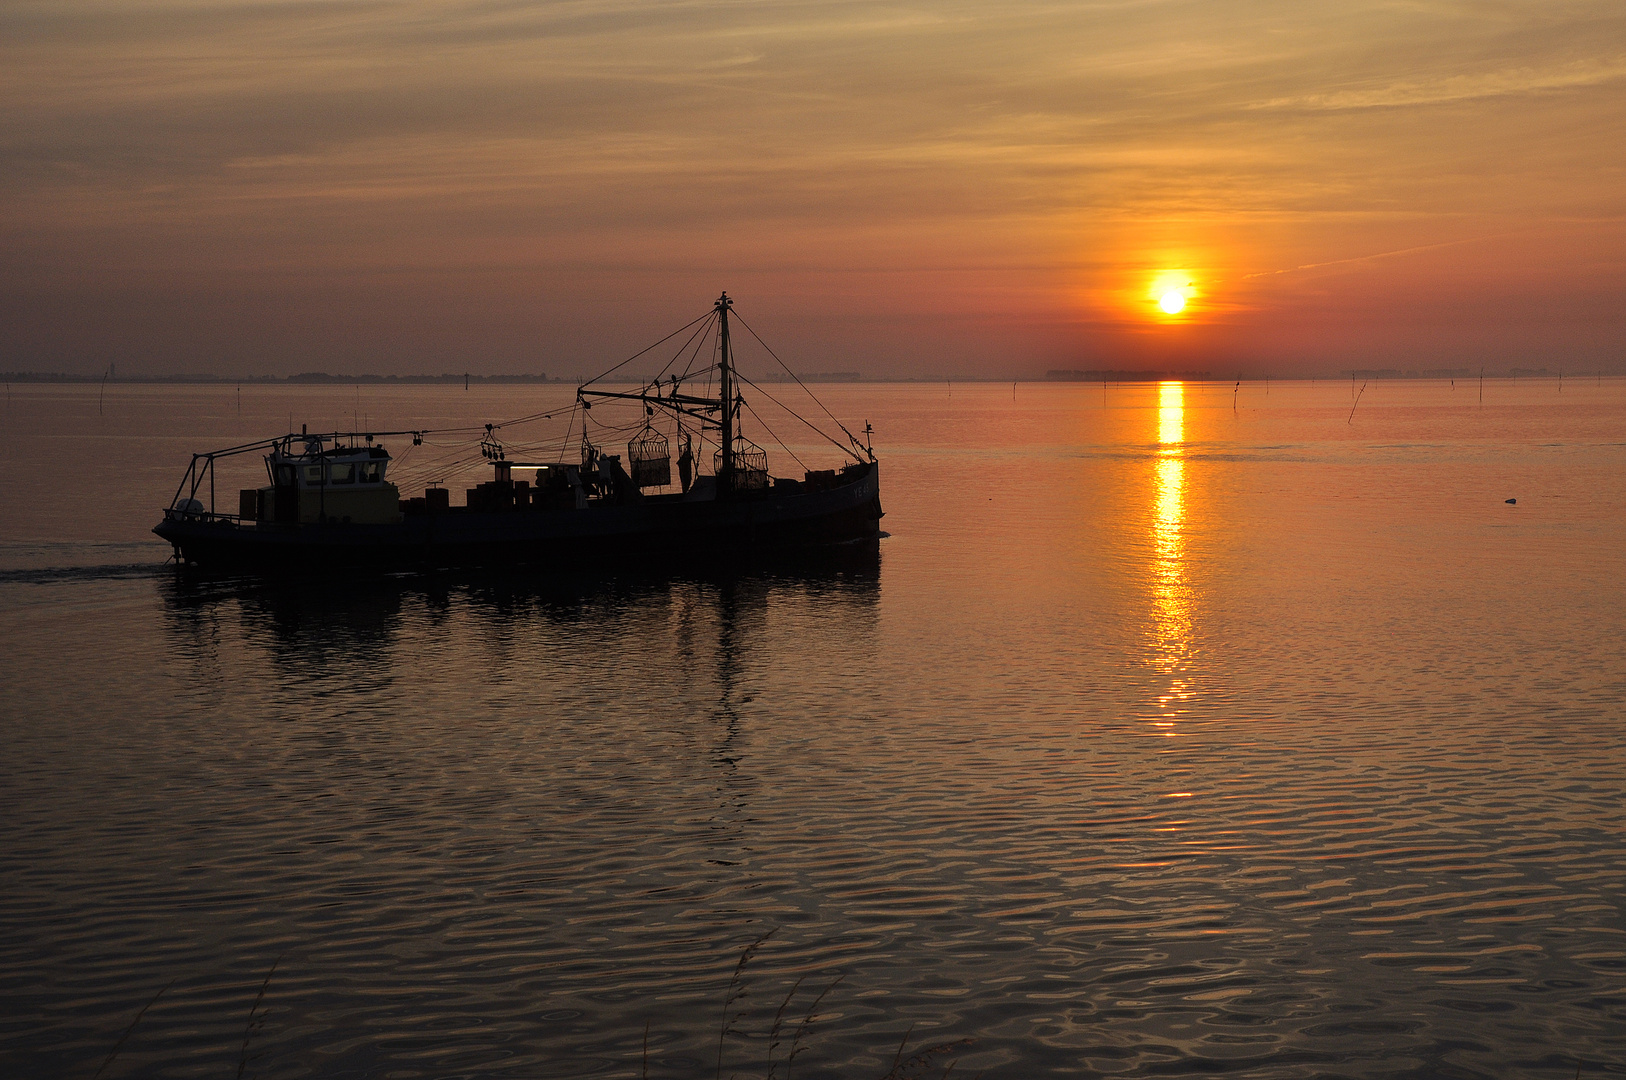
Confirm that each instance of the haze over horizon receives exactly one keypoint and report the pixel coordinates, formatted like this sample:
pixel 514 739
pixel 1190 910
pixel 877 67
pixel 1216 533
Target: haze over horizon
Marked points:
pixel 899 190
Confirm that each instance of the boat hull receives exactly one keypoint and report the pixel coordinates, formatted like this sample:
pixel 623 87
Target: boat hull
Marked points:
pixel 649 528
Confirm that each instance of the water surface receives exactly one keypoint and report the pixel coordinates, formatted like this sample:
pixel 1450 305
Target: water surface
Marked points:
pixel 1172 732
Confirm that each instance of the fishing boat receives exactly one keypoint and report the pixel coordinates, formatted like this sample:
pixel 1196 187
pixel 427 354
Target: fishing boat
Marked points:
pixel 335 498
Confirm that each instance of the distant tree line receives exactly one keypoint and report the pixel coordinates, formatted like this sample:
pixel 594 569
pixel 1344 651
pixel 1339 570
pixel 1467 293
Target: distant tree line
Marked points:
pixel 1069 375
pixel 308 377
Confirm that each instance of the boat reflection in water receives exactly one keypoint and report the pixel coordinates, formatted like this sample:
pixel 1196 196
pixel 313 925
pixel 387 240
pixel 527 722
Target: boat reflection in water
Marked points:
pixel 1171 630
pixel 483 628
pixel 529 773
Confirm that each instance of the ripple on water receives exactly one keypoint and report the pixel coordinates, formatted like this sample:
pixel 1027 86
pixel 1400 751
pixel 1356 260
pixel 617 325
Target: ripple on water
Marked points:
pixel 1332 804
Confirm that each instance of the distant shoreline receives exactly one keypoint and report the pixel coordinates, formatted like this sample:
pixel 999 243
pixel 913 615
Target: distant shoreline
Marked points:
pixel 322 378
pixel 1436 374
pixel 309 378
pixel 1055 376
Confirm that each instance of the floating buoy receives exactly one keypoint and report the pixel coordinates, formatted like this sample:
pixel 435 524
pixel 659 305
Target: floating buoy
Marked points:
pixel 1510 502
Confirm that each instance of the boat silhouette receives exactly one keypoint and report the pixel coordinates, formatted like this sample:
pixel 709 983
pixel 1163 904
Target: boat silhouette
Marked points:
pixel 331 500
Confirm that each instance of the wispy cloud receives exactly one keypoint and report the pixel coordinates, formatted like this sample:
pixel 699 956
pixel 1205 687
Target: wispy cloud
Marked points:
pixel 1074 145
pixel 1441 89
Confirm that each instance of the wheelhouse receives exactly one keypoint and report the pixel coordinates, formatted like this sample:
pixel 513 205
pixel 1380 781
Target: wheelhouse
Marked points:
pixel 324 478
pixel 309 462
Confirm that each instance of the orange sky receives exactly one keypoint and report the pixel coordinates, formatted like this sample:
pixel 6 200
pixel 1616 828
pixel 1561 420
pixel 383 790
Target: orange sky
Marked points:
pixel 946 188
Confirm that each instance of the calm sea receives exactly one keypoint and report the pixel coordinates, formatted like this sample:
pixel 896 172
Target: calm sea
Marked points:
pixel 1177 730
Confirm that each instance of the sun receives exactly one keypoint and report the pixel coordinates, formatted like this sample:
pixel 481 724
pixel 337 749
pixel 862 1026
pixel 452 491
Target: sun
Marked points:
pixel 1172 294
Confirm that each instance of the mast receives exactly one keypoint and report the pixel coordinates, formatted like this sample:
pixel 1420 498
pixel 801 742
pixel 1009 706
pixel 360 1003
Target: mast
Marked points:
pixel 725 383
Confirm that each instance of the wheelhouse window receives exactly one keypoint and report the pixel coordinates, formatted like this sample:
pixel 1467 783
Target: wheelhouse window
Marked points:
pixel 341 473
pixel 369 472
pixel 313 474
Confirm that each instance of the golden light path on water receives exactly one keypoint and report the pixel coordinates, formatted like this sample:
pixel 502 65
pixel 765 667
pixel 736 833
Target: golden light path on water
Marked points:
pixel 1171 595
pixel 523 824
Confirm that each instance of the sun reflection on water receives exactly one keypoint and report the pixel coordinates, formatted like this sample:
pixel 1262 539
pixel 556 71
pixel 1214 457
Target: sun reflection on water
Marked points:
pixel 1171 418
pixel 1171 595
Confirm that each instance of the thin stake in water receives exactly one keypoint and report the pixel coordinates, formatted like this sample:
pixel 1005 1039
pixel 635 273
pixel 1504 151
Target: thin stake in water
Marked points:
pixel 796 1046
pixel 256 1020
pixel 736 991
pixel 779 1025
pixel 131 1029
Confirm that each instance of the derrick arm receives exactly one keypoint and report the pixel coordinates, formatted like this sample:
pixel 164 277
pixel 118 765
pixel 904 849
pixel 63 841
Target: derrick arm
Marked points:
pixel 695 407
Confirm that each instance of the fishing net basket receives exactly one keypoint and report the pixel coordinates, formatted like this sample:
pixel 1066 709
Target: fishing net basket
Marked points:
pixel 651 459
pixel 750 465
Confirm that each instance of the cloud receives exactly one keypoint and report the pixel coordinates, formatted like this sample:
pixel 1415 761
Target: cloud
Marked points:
pixel 1045 151
pixel 1462 87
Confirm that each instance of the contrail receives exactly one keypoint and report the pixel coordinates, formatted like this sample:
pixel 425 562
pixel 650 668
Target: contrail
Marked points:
pixel 1379 255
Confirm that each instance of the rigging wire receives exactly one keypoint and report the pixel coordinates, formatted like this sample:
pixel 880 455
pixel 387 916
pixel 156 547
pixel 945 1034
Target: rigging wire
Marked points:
pixel 800 383
pixel 695 339
pixel 688 370
pixel 657 345
pixel 572 427
pixel 811 426
pixel 774 437
pixel 458 462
